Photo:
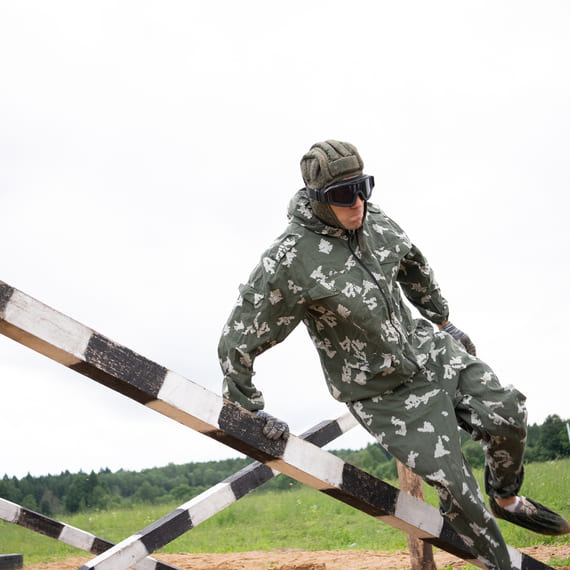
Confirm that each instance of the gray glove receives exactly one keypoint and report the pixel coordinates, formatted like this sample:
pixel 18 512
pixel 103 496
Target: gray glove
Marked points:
pixel 460 337
pixel 273 428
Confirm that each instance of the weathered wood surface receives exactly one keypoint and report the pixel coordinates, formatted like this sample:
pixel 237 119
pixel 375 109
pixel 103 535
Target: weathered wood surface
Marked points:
pixel 167 528
pixel 421 553
pixel 11 561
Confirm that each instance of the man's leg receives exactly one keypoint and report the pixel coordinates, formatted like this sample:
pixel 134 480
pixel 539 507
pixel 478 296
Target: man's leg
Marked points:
pixel 416 423
pixel 496 415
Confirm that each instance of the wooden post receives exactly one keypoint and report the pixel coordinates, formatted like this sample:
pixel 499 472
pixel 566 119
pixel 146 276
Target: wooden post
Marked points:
pixel 421 553
pixel 11 561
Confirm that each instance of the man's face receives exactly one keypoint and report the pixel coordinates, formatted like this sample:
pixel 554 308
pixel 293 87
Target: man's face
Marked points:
pixel 350 217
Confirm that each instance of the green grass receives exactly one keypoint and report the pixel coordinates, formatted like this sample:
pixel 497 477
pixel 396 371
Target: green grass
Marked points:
pixel 302 519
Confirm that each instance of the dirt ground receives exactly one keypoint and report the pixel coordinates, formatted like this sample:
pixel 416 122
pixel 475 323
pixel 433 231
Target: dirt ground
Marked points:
pixel 300 560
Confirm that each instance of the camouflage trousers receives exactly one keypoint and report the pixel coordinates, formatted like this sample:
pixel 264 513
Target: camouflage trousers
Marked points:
pixel 418 424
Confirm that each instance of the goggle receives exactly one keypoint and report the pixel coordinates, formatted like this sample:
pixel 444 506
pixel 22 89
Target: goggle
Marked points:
pixel 344 193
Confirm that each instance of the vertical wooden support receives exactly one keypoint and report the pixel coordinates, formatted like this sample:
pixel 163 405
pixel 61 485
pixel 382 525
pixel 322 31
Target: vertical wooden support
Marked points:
pixel 421 553
pixel 11 561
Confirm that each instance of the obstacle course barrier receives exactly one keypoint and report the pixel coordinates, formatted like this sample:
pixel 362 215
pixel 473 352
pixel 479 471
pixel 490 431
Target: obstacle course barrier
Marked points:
pixel 215 499
pixel 168 528
pixel 67 534
pixel 64 340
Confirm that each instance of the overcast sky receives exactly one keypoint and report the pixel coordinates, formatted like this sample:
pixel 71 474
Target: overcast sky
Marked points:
pixel 148 151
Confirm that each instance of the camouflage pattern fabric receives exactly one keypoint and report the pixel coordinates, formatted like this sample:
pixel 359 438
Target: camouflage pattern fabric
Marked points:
pixel 408 384
pixel 417 424
pixel 344 287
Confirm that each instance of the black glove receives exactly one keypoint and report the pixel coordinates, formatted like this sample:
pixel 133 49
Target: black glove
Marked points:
pixel 460 337
pixel 273 428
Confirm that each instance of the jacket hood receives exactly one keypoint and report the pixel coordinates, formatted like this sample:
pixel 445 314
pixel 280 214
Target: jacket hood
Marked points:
pixel 301 212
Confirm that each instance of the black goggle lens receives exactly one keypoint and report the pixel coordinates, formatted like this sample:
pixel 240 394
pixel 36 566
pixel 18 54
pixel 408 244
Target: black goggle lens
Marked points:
pixel 345 193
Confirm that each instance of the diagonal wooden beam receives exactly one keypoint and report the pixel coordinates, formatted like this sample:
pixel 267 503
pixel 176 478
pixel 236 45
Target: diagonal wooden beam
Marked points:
pixel 166 529
pixel 59 337
pixel 68 534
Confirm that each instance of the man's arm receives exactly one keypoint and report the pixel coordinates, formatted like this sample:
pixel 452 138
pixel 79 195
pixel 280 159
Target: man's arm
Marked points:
pixel 420 287
pixel 267 311
pixel 418 283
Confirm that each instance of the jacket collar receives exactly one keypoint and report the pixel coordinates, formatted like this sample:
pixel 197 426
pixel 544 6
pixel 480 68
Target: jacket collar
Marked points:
pixel 300 211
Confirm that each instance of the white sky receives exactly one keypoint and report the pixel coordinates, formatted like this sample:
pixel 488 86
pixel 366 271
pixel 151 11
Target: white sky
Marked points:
pixel 148 151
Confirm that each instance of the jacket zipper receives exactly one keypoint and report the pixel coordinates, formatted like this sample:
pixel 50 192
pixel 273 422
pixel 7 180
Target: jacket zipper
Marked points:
pixel 352 234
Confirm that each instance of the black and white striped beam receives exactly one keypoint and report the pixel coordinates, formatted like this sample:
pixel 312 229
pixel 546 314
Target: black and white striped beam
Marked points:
pixel 67 534
pixel 212 501
pixel 173 525
pixel 59 337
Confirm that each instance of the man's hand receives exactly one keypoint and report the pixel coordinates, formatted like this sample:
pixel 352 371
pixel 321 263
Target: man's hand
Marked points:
pixel 273 428
pixel 460 337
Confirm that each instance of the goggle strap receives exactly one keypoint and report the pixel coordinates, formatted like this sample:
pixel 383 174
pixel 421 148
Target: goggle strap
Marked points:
pixel 316 195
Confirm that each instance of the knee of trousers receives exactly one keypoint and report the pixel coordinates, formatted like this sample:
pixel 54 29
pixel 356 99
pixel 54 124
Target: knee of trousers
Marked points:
pixel 489 409
pixel 514 414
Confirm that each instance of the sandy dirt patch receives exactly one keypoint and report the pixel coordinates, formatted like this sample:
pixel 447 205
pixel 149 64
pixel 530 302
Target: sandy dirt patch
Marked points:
pixel 302 560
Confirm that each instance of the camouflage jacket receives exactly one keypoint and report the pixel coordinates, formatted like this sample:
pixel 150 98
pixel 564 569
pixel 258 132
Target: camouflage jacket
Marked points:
pixel 346 288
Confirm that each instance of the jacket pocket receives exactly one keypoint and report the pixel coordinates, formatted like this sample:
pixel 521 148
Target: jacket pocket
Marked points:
pixel 248 293
pixel 323 306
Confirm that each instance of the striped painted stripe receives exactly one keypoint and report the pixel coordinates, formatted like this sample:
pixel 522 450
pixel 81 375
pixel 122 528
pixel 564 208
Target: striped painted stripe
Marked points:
pixel 67 534
pixel 41 328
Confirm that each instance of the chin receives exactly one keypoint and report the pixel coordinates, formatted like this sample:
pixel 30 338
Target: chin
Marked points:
pixel 356 225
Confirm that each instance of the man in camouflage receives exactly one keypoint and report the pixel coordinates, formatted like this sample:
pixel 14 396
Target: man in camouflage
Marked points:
pixel 340 267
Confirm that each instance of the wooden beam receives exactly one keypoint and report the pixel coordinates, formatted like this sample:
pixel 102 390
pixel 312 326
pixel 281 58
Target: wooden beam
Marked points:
pixel 11 561
pixel 166 529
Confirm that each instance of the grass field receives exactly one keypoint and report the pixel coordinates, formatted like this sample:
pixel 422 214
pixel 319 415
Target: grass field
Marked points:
pixel 301 518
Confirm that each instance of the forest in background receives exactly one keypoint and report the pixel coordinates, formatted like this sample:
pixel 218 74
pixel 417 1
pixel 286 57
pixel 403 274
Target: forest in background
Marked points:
pixel 69 493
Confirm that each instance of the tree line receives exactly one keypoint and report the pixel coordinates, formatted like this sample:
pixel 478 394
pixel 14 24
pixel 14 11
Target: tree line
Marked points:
pixel 69 493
